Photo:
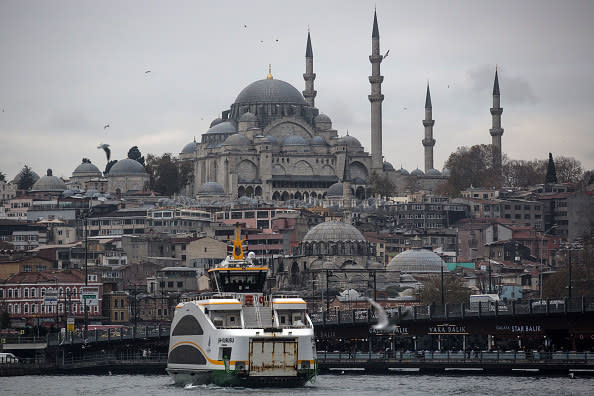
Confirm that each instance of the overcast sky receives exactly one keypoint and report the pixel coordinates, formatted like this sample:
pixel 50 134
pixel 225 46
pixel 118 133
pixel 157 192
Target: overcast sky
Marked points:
pixel 68 68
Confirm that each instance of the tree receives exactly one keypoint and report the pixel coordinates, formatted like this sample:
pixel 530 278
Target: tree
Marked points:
pixel 551 176
pixel 165 177
pixel 568 169
pixel 456 291
pixel 380 185
pixel 109 165
pixel 521 173
pixel 134 153
pixel 27 178
pixel 472 166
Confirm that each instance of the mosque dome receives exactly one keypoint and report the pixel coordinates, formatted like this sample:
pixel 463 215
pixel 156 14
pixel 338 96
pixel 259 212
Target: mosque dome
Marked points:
pixel 417 261
pixel 271 139
pixel 318 141
pixel 127 167
pixel 350 141
pixel 294 140
pixel 17 178
pixel 433 172
pixel 211 188
pixel 417 172
pixel 223 127
pixel 236 140
pixel 190 147
pixel 322 118
pixel 270 91
pixel 86 169
pixel 388 166
pixel 216 121
pixel 248 117
pixel 403 172
pixel 333 231
pixel 49 183
pixel 335 190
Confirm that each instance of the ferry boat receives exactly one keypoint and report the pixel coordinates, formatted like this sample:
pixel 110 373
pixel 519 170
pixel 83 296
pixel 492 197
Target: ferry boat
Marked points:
pixel 239 335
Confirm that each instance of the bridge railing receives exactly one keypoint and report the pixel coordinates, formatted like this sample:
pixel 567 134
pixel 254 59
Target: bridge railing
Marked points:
pixel 108 335
pixel 460 311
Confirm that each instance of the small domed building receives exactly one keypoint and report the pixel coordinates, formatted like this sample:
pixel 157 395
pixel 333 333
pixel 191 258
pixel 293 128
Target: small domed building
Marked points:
pixel 417 261
pixel 127 175
pixel 84 173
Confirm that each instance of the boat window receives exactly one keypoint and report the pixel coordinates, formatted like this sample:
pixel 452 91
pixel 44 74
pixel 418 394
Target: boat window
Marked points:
pixel 188 325
pixel 186 354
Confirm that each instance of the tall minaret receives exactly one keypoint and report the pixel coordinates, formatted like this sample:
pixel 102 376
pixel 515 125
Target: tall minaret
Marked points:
pixel 428 141
pixel 496 130
pixel 309 76
pixel 376 98
pixel 347 196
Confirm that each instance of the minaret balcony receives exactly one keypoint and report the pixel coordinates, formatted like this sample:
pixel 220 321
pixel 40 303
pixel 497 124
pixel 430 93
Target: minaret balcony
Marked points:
pixel 496 110
pixel 428 142
pixel 496 131
pixel 310 94
pixel 376 79
pixel 309 76
pixel 376 58
pixel 376 98
pixel 428 123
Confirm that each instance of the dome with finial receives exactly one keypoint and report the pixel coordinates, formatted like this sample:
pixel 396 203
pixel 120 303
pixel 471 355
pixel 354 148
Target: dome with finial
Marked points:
pixel 318 141
pixel 417 172
pixel 403 171
pixel 127 167
pixel 271 91
pixel 388 166
pixel 237 140
pixel 350 141
pixel 335 190
pixel 222 128
pixel 49 183
pixel 417 261
pixel 86 168
pixel 334 231
pixel 190 147
pixel 433 172
pixel 210 188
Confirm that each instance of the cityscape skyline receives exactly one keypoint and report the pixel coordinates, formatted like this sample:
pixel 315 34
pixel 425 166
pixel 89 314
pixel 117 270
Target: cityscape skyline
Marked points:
pixel 71 69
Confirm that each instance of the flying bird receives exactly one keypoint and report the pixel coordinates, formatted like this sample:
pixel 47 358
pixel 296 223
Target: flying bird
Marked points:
pixel 387 52
pixel 245 26
pixel 105 126
pixel 105 148
pixel 146 72
pixel 382 317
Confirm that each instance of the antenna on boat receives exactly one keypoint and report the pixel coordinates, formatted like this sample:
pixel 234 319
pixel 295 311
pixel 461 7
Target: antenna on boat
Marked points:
pixel 238 244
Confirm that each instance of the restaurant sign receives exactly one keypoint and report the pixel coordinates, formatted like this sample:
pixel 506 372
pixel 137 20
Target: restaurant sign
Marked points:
pixel 446 329
pixel 520 329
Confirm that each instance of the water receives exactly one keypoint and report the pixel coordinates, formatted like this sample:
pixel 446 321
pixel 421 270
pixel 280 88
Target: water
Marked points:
pixel 360 385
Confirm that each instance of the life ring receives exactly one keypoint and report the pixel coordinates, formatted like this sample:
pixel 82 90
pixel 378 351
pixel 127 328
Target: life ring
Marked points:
pixel 261 299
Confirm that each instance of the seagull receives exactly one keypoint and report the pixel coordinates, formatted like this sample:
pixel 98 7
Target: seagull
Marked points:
pixel 105 126
pixel 146 72
pixel 387 52
pixel 405 108
pixel 382 317
pixel 245 26
pixel 105 148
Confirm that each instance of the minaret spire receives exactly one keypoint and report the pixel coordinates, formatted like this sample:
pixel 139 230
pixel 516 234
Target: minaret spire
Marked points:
pixel 309 76
pixel 346 190
pixel 428 141
pixel 376 98
pixel 496 131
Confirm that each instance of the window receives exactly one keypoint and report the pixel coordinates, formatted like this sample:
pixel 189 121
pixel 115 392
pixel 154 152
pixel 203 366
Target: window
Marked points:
pixel 26 293
pixel 250 215
pixel 236 215
pixel 169 284
pixel 527 216
pixel 115 303
pixel 180 284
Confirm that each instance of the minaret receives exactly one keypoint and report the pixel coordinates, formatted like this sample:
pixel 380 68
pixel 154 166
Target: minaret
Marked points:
pixel 346 191
pixel 496 130
pixel 309 76
pixel 376 98
pixel 428 141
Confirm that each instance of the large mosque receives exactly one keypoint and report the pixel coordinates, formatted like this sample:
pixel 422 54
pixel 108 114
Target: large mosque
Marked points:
pixel 275 144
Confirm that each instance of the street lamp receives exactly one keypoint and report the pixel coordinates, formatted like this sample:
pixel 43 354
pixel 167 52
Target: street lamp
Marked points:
pixel 541 258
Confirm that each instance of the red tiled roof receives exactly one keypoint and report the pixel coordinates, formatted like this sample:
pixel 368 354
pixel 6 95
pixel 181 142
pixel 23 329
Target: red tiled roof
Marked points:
pixel 47 276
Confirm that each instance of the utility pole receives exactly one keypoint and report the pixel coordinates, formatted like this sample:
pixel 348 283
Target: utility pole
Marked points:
pixel 327 294
pixel 442 291
pixel 86 221
pixel 569 280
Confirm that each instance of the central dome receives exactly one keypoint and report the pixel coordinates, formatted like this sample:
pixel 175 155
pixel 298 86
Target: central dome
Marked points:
pixel 270 91
pixel 333 231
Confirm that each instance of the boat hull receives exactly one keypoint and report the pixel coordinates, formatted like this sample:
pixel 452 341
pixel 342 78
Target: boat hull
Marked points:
pixel 230 378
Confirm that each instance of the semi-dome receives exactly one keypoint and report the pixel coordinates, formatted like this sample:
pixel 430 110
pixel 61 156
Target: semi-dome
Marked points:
pixel 190 147
pixel 270 91
pixel 127 167
pixel 237 140
pixel 49 183
pixel 403 171
pixel 333 231
pixel 322 118
pixel 248 117
pixel 417 172
pixel 211 188
pixel 294 140
pixel 223 127
pixel 433 172
pixel 271 139
pixel 86 169
pixel 350 141
pixel 216 121
pixel 417 261
pixel 318 141
pixel 335 190
pixel 388 166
